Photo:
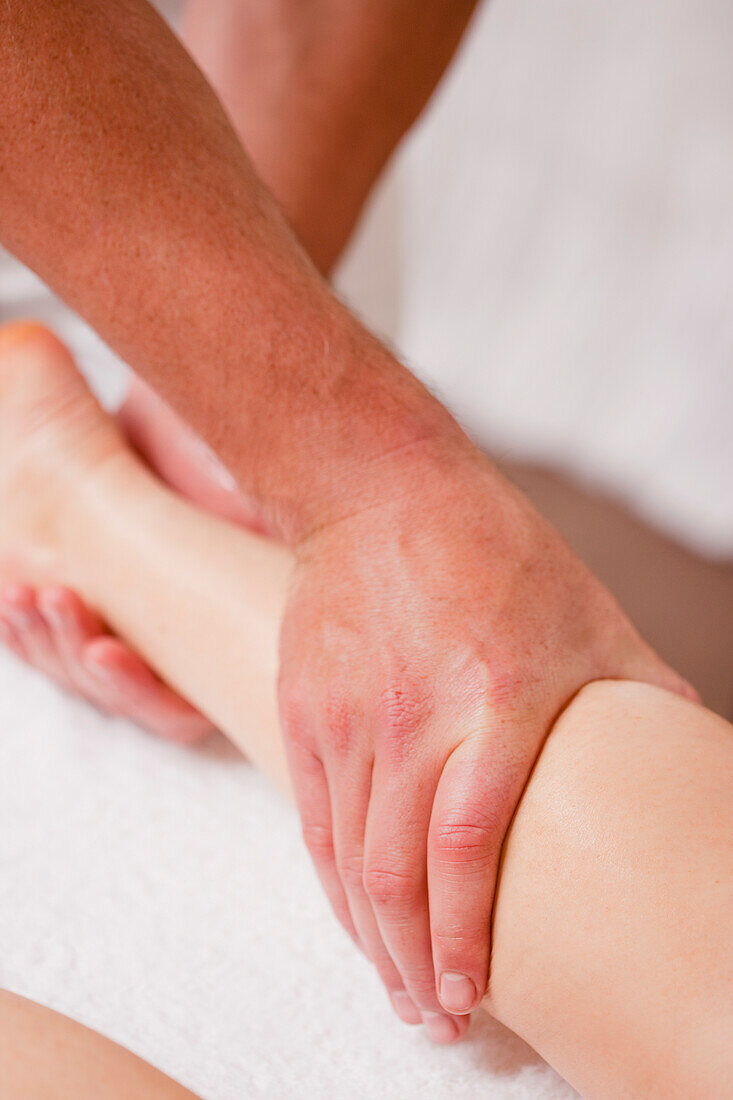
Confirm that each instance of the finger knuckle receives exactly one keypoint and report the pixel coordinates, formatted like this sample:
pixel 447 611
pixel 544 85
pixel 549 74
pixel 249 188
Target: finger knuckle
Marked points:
pixel 391 886
pixel 386 969
pixel 295 709
pixel 463 839
pixel 487 683
pixel 310 717
pixel 461 943
pixel 318 840
pixel 505 683
pixel 492 682
pixel 339 721
pixel 351 870
pixel 421 983
pixel 402 711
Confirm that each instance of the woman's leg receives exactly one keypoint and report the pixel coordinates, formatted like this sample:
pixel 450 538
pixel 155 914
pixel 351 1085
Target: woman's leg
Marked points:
pixel 612 953
pixel 45 1056
pixel 78 508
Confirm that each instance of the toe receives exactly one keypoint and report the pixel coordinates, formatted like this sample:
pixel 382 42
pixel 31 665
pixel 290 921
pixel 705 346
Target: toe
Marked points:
pixel 9 638
pixel 71 625
pixel 140 695
pixel 19 607
pixel 71 622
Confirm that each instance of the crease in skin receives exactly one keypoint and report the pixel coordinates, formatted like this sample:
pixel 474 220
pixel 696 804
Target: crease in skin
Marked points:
pixel 629 774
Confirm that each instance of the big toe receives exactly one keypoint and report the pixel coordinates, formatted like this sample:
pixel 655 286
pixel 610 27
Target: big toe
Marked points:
pixel 43 396
pixel 37 374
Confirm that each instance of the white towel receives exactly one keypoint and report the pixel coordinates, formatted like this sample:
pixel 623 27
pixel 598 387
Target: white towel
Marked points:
pixel 163 896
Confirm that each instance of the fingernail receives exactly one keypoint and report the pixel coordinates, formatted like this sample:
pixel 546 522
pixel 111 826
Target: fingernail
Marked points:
pixel 457 992
pixel 405 1007
pixel 440 1028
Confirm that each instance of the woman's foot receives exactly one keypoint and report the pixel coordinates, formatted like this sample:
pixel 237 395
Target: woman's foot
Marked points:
pixel 54 441
pixel 54 438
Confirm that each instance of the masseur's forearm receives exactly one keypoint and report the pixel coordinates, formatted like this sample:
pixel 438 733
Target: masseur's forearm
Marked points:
pixel 322 91
pixel 611 947
pixel 123 184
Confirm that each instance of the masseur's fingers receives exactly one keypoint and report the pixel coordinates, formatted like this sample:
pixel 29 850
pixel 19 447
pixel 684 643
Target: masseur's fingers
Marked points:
pixel 395 879
pixel 471 814
pixel 349 804
pixel 349 796
pixel 314 804
pixel 351 810
pixel 131 689
pixel 313 799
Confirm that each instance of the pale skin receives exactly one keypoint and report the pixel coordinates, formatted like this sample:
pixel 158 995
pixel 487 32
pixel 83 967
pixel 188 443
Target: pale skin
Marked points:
pixel 434 625
pixel 611 947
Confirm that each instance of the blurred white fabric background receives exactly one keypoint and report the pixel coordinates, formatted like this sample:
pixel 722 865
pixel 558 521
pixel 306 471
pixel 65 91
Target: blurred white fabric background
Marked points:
pixel 552 251
pixel 555 249
pixel 164 897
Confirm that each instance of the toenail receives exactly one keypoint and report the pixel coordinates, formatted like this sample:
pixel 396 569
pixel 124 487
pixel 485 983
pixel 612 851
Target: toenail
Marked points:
pixel 20 332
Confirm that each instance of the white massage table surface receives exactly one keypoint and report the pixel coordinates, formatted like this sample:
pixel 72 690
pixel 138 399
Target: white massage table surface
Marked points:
pixel 163 896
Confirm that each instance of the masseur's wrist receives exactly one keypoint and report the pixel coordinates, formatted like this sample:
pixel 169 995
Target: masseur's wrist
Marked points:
pixel 357 430
pixel 401 449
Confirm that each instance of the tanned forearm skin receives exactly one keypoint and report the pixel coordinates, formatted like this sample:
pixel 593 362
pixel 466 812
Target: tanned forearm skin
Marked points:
pixel 322 91
pixel 319 92
pixel 123 184
pixel 435 624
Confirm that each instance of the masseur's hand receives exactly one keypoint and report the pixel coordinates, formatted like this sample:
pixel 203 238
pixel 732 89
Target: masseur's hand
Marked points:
pixel 429 643
pixel 436 626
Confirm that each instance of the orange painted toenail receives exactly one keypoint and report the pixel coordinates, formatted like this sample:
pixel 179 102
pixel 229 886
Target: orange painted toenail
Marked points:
pixel 17 332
